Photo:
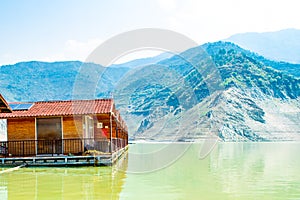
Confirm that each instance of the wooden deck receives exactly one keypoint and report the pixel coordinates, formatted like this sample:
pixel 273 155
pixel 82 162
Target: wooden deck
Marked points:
pixel 64 161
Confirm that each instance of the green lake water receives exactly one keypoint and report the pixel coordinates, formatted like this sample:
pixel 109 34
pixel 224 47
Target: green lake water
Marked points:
pixel 169 171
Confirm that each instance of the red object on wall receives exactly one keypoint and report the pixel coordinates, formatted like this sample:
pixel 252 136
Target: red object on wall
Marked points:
pixel 104 132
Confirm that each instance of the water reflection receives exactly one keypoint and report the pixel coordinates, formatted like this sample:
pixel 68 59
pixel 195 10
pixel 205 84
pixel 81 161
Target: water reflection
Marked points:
pixel 63 183
pixel 258 170
pixel 231 171
pixel 186 178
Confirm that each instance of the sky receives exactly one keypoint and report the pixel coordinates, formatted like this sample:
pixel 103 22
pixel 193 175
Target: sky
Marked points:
pixel 56 30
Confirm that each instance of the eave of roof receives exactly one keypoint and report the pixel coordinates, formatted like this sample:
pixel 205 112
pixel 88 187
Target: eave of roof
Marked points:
pixel 4 107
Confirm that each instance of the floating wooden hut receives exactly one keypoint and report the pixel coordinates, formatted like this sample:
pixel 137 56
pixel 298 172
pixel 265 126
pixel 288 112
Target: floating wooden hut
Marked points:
pixel 62 130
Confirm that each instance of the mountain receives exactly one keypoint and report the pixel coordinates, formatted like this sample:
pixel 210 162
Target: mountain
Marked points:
pixel 177 100
pixel 143 61
pixel 214 89
pixel 281 45
pixel 41 81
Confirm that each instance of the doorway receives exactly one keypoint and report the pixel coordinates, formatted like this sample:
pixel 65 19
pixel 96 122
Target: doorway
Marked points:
pixel 88 130
pixel 49 135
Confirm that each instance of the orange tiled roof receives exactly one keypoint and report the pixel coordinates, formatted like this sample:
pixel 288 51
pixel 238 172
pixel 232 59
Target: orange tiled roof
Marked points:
pixel 62 108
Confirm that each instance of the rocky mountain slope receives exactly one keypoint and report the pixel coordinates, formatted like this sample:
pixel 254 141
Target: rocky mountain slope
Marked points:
pixel 246 106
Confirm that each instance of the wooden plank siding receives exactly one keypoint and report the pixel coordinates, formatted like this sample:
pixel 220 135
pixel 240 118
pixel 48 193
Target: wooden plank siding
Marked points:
pixel 21 129
pixel 105 120
pixel 73 127
pixel 118 129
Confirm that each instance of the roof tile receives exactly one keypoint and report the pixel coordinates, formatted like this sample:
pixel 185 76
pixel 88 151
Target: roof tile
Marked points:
pixel 63 108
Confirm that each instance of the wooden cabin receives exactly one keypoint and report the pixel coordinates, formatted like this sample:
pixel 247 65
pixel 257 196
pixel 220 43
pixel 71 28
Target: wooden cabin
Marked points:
pixel 63 127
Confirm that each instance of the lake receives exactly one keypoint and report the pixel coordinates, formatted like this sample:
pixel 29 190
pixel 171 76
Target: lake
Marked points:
pixel 170 171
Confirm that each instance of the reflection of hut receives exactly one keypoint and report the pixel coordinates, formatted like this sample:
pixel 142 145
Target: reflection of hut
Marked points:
pixel 80 183
pixel 64 127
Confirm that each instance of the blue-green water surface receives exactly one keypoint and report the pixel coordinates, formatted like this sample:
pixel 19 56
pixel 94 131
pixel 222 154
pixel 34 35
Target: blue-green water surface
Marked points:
pixel 230 171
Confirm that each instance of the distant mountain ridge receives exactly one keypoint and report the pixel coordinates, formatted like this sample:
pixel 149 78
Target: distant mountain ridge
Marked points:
pixel 143 61
pixel 172 99
pixel 283 45
pixel 42 81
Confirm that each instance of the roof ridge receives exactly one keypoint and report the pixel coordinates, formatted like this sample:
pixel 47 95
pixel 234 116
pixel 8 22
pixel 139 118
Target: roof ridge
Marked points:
pixel 58 101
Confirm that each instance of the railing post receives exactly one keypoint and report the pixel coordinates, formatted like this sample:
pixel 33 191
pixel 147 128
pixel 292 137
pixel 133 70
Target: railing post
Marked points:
pixel 5 149
pixel 52 147
pixel 110 146
pixel 23 148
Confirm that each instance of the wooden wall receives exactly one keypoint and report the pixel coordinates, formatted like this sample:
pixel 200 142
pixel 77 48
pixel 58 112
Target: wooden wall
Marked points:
pixel 118 131
pixel 24 129
pixel 72 127
pixel 21 129
pixel 100 132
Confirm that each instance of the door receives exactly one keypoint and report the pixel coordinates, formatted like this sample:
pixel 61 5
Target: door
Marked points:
pixel 49 136
pixel 88 128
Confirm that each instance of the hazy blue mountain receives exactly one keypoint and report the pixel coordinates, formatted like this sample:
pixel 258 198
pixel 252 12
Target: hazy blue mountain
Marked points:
pixel 217 88
pixel 143 61
pixel 40 81
pixel 281 45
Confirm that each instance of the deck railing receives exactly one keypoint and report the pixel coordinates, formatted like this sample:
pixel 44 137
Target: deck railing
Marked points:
pixel 76 146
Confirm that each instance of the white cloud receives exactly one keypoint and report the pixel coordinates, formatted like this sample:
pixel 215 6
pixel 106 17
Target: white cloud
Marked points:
pixel 7 59
pixel 211 20
pixel 167 5
pixel 78 50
